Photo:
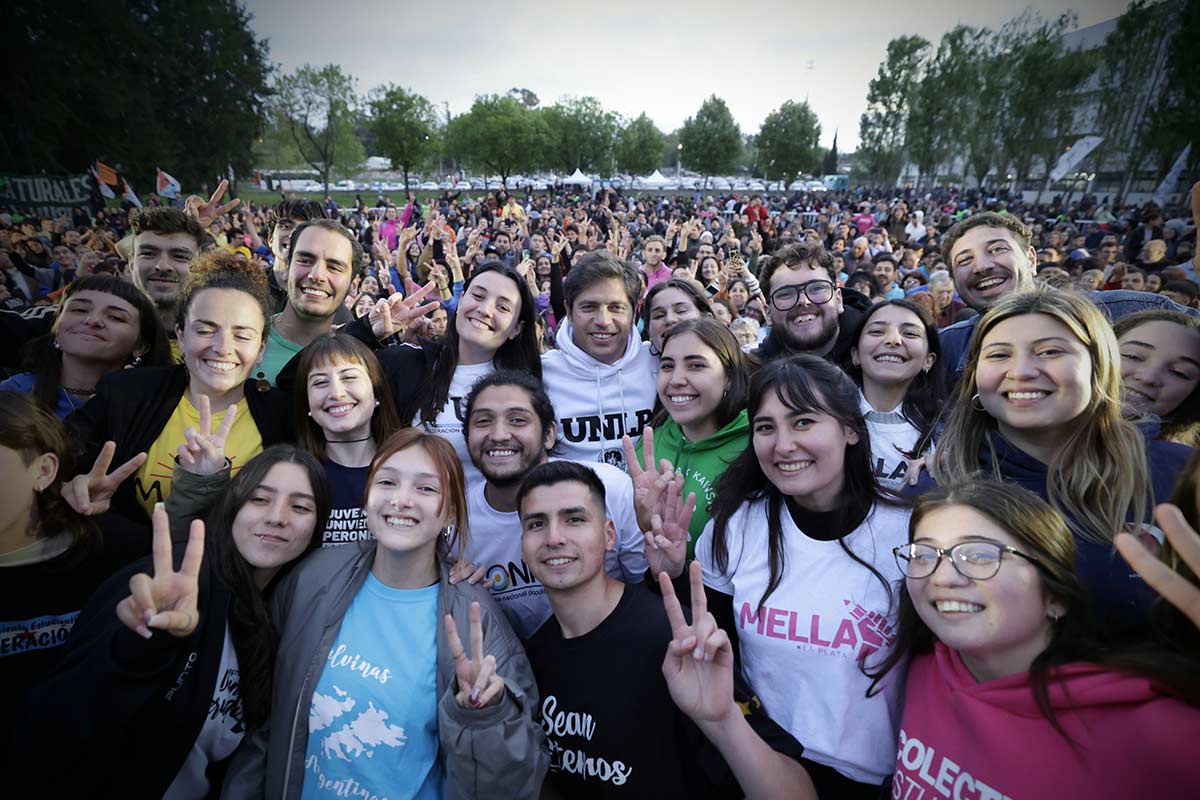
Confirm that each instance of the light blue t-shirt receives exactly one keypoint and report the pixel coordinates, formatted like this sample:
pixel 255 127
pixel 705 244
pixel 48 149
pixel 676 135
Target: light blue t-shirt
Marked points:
pixel 372 726
pixel 278 353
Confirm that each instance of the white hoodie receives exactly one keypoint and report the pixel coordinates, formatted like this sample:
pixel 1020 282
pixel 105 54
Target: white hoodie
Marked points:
pixel 596 403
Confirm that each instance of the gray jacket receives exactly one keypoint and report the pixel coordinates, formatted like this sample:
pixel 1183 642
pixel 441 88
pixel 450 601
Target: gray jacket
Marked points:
pixel 499 751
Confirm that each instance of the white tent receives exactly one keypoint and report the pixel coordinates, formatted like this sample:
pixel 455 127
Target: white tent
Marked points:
pixel 577 179
pixel 654 180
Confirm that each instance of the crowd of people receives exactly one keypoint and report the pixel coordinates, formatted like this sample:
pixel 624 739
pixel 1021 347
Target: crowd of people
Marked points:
pixel 602 496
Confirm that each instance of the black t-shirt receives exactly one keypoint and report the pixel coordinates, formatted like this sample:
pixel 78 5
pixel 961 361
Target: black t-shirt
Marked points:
pixel 613 730
pixel 347 518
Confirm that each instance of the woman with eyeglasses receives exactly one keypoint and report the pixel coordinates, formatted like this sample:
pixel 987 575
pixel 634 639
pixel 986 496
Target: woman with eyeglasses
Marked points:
pixel 1009 691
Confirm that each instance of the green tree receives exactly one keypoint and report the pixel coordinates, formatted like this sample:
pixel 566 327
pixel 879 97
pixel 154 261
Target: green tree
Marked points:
pixel 936 128
pixel 789 141
pixel 498 135
pixel 581 135
pixel 830 161
pixel 711 139
pixel 882 127
pixel 139 83
pixel 639 146
pixel 1174 118
pixel 404 125
pixel 318 107
pixel 984 107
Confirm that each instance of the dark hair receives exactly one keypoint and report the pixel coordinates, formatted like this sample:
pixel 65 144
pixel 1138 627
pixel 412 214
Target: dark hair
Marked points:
pixel 927 395
pixel 553 473
pixel 601 265
pixel 254 636
pixel 220 269
pixel 986 219
pixel 721 301
pixel 294 208
pixel 1044 536
pixel 1183 424
pixel 861 279
pixel 1188 288
pixel 31 430
pixel 803 383
pixel 166 220
pixel 538 399
pixel 521 353
pixel 358 258
pixel 802 254
pixel 691 288
pixel 332 348
pixel 44 360
pixel 736 362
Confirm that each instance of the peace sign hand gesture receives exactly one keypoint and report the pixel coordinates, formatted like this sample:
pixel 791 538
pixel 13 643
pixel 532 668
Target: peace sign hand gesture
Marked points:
pixel 204 212
pixel 167 599
pixel 204 451
pixel 91 493
pixel 698 666
pixel 666 543
pixel 394 314
pixel 478 684
pixel 650 479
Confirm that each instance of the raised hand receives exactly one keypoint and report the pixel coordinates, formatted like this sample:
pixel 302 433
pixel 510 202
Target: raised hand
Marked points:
pixel 465 570
pixel 1175 588
pixel 91 492
pixel 650 478
pixel 698 666
pixel 167 599
pixel 204 212
pixel 667 540
pixel 203 452
pixel 478 684
pixel 394 314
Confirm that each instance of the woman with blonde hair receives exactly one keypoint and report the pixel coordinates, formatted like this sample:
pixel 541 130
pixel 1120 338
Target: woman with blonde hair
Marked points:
pixel 1039 405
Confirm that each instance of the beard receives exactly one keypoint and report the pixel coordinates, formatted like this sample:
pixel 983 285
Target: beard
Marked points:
pixel 510 477
pixel 818 342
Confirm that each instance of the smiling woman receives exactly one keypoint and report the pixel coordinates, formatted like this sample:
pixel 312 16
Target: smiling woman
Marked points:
pixel 221 323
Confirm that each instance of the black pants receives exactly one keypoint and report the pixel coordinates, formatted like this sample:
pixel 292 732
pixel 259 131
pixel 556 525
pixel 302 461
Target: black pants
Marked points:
pixel 833 785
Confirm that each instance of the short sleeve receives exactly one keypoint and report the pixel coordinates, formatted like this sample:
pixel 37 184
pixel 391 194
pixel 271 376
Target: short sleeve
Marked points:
pixel 717 581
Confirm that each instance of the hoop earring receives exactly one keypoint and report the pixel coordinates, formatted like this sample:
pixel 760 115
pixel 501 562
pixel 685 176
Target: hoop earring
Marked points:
pixel 137 361
pixel 976 403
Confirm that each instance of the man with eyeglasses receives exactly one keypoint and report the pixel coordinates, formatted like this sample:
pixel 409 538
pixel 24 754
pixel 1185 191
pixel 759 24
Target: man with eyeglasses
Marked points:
pixel 809 313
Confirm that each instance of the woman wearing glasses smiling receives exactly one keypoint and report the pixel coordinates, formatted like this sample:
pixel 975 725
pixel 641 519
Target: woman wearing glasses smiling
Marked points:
pixel 1010 692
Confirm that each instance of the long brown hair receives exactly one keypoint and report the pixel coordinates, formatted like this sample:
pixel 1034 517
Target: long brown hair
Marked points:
pixel 1182 424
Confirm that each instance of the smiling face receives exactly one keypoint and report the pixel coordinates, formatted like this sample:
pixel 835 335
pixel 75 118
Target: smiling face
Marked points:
pixel 989 263
pixel 807 326
pixel 739 295
pixel 654 254
pixel 505 436
pixel 691 383
pixel 275 525
pixel 161 262
pixel 100 327
pixel 487 315
pixel 998 625
pixel 319 274
pixel 1160 366
pixel 564 535
pixel 222 339
pixel 1034 377
pixel 601 317
pixel 669 308
pixel 893 347
pixel 341 399
pixel 802 453
pixel 404 503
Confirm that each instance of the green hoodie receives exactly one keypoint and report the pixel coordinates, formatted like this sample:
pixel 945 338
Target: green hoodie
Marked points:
pixel 702 464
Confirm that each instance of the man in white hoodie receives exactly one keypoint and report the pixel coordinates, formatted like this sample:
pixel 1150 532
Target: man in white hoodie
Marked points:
pixel 601 379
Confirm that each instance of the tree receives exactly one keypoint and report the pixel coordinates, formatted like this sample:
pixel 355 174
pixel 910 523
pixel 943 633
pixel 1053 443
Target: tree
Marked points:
pixel 1174 118
pixel 581 135
pixel 711 139
pixel 498 134
pixel 524 96
pixel 639 146
pixel 830 162
pixel 789 141
pixel 139 83
pixel 404 125
pixel 936 128
pixel 318 107
pixel 882 127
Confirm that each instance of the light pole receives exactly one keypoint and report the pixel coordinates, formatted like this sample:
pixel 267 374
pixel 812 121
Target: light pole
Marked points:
pixel 678 160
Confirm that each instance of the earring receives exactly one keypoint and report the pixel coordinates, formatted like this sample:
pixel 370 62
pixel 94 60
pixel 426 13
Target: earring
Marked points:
pixel 262 384
pixel 976 403
pixel 1054 617
pixel 137 360
pixel 448 532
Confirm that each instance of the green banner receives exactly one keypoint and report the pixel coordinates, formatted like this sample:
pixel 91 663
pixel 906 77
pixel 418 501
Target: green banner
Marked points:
pixel 43 195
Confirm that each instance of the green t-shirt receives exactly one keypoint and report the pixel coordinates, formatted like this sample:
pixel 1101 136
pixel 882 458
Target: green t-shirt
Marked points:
pixel 278 353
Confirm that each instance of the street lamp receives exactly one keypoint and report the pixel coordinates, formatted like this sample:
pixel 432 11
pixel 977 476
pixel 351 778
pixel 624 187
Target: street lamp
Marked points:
pixel 678 160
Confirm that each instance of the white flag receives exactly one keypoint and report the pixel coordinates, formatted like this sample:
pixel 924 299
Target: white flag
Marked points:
pixel 1074 156
pixel 1168 183
pixel 130 195
pixel 167 186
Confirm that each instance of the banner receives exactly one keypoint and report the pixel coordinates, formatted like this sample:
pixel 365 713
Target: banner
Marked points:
pixel 43 195
pixel 1167 186
pixel 167 186
pixel 1071 159
pixel 130 195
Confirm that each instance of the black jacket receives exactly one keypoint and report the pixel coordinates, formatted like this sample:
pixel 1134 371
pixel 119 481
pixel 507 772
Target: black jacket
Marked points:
pixel 409 370
pixel 119 714
pixel 131 407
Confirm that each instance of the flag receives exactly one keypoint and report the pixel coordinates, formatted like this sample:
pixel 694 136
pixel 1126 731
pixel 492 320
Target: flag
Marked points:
pixel 1168 183
pixel 167 186
pixel 106 174
pixel 130 195
pixel 105 189
pixel 1074 156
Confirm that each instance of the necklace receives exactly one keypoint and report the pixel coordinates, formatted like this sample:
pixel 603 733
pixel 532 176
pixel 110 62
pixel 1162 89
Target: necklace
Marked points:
pixel 346 441
pixel 81 392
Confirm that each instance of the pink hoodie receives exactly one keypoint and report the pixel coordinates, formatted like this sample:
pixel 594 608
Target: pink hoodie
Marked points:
pixel 966 740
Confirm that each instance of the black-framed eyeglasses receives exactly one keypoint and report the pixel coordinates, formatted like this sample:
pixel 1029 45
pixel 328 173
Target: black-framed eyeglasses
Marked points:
pixel 817 292
pixel 979 561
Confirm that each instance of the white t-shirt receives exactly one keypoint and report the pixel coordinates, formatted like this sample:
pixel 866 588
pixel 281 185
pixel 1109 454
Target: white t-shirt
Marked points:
pixel 496 545
pixel 800 651
pixel 451 420
pixel 222 732
pixel 890 433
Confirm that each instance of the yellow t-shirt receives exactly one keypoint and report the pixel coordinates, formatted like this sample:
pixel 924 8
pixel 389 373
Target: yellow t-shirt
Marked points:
pixel 152 483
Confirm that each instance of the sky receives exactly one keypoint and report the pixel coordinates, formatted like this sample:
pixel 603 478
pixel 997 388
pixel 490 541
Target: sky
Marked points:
pixel 662 57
